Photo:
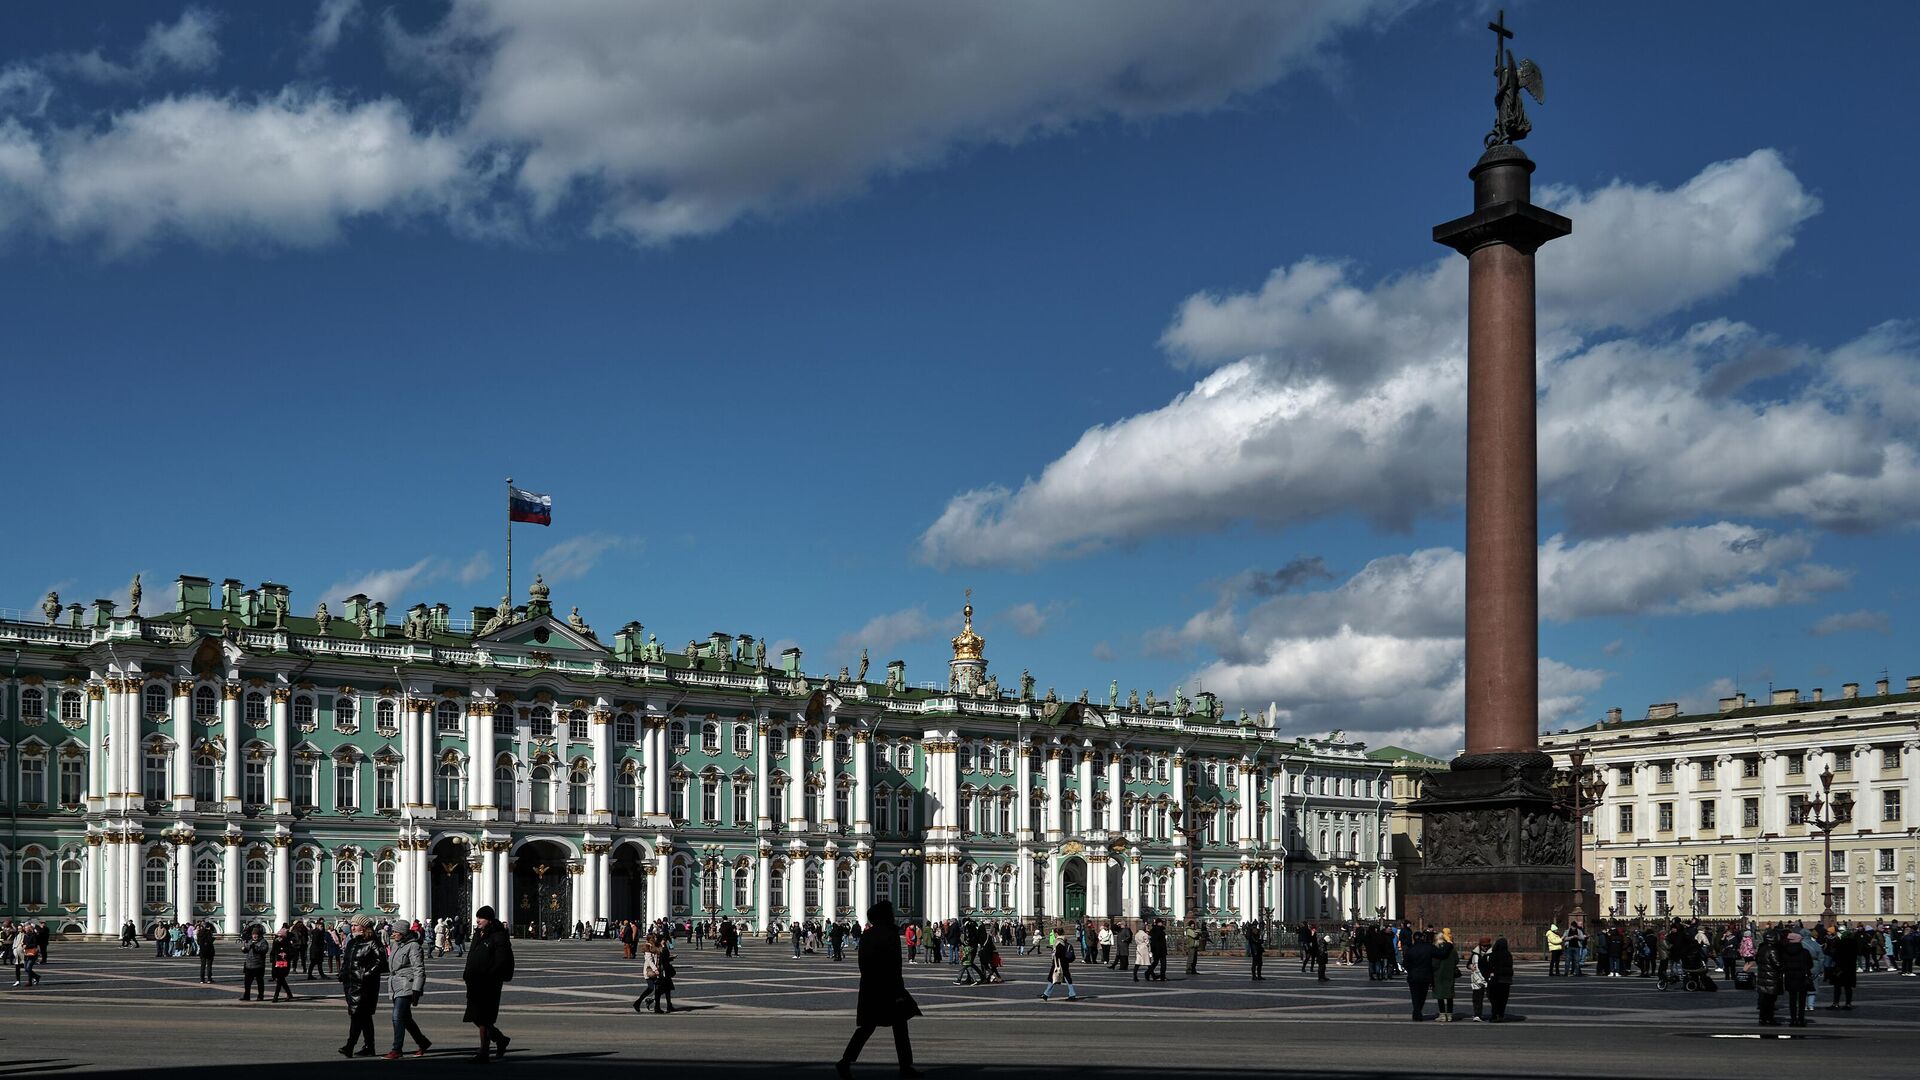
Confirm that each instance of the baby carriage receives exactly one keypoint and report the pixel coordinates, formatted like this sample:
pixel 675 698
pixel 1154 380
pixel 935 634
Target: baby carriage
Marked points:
pixel 1694 974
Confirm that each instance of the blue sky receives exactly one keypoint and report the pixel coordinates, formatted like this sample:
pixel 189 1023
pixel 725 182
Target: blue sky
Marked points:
pixel 810 317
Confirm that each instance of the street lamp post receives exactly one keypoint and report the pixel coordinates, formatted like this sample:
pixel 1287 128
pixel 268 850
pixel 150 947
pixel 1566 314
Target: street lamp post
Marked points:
pixel 1695 864
pixel 1826 812
pixel 1588 789
pixel 1913 885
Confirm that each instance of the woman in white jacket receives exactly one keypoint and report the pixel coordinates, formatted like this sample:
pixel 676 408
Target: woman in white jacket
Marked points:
pixel 1477 974
pixel 406 982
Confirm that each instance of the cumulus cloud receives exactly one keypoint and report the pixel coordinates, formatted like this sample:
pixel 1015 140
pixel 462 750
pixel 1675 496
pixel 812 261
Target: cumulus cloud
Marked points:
pixel 1027 619
pixel 1844 622
pixel 668 119
pixel 1384 648
pixel 1103 652
pixel 289 169
pixel 474 569
pixel 188 44
pixel 1328 397
pixel 390 586
pixel 330 20
pixel 888 631
pixel 576 557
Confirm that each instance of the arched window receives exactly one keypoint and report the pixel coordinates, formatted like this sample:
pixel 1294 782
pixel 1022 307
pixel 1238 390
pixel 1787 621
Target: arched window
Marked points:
pixel 541 782
pixel 70 871
pixel 903 756
pixel 383 883
pixel 843 805
pixel 155 700
pixel 1006 760
pixel 541 721
pixel 70 707
pixel 677 736
pixel 742 801
pixel 625 731
pixel 153 774
pixel 206 882
pixel 966 758
pixel 33 881
pixel 306 881
pixel 577 790
pixel 742 740
pixel 709 738
pixel 306 782
pixel 811 741
pixel 812 885
pixel 742 889
pixel 679 886
pixel 446 717
pixel 346 880
pixel 677 798
pixel 253 781
pixel 33 703
pixel 451 788
pixel 346 713
pixel 969 898
pixel 303 714
pixel 710 799
pixel 883 886
pixel 710 890
pixel 503 787
pixel 626 792
pixel 206 703
pixel 903 810
pixel 256 713
pixel 255 882
pixel 577 727
pixel 966 810
pixel 386 715
pixel 843 890
pixel 777 884
pixel 903 895
pixel 883 810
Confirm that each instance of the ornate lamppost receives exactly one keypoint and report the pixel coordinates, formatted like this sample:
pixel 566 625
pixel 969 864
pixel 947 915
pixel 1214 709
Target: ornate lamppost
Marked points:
pixel 1587 787
pixel 712 856
pixel 1696 864
pixel 1826 812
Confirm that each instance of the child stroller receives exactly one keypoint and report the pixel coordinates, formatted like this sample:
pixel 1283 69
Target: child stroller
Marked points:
pixel 1694 974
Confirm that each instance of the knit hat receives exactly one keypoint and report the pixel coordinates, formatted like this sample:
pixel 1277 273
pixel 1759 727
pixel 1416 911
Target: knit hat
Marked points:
pixel 486 912
pixel 360 920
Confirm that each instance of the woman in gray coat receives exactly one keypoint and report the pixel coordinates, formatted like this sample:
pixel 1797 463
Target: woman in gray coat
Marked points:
pixel 406 981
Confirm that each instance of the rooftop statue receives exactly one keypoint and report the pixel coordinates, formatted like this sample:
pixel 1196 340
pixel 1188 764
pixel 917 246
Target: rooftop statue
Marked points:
pixel 863 665
pixel 1026 685
pixel 1510 123
pixel 1113 694
pixel 322 618
pixel 760 655
pixel 133 597
pixel 574 620
pixel 50 607
pixel 502 617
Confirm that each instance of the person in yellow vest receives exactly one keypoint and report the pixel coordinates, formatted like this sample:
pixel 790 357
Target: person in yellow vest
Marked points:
pixel 1556 948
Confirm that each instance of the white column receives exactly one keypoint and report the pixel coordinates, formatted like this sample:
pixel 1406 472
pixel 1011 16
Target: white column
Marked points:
pixel 829 878
pixel 862 885
pixel 1083 779
pixel 1725 777
pixel 480 800
pixel 1023 793
pixel 282 766
pixel 829 776
pixel 96 750
pixel 107 894
pixel 1866 812
pixel 182 747
pixel 235 748
pixel 1277 808
pixel 403 872
pixel 283 880
pixel 603 762
pixel 1686 822
pixel 1136 904
pixel 487 880
pixel 762 881
pixel 230 892
pixel 183 881
pixel 411 751
pixel 1910 801
pixel 420 714
pixel 1180 871
pixel 796 785
pixel 581 891
pixel 862 796
pixel 1249 889
pixel 1249 806
pixel 762 793
pixel 1054 793
pixel 660 904
pixel 1097 885
pixel 1116 790
pixel 422 879
pixel 1773 773
pixel 603 883
pixel 118 736
pixel 650 761
pixel 503 877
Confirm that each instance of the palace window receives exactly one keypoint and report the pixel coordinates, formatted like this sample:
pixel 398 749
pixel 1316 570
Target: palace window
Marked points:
pixel 540 782
pixel 1796 809
pixel 777 884
pixel 626 793
pixel 710 890
pixel 33 881
pixel 1707 770
pixel 1709 814
pixel 903 810
pixel 577 727
pixel 206 882
pixel 679 885
pixel 346 785
pixel 155 697
pixel 451 789
pixel 577 791
pixel 677 736
pixel 1660 906
pixel 742 796
pixel 883 885
pixel 812 879
pixel 255 882
pixel 206 704
pixel 678 795
pixel 1840 899
pixel 206 784
pixel 542 722
pixel 1666 817
pixel 256 709
pixel 383 883
pixel 625 730
pixel 1890 806
pixel 742 740
pixel 33 704
pixel 842 890
pixel 503 787
pixel 1886 900
pixel 1790 863
pixel 710 800
pixel 1796 764
pixel 1620 867
pixel 1006 760
pixel 72 779
pixel 70 709
pixel 153 774
pixel 1743 863
pixel 504 722
pixel 742 889
pixel 1659 866
pixel 385 781
pixel 386 717
pixel 1750 768
pixel 811 743
pixel 966 759
pixel 306 783
pixel 346 881
pixel 306 882
pixel 1843 763
pixel 303 712
pixel 710 738
pixel 903 756
pixel 1626 820
pixel 1750 813
pixel 1889 759
pixel 446 717
pixel 1666 772
pixel 346 714
pixel 253 783
pixel 153 879
pixel 1886 863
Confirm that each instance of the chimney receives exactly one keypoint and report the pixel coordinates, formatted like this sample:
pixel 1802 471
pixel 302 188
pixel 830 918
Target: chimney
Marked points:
pixel 790 660
pixel 897 673
pixel 480 617
pixel 102 614
pixel 1613 716
pixel 249 608
pixel 1819 694
pixel 1663 711
pixel 1786 697
pixel 1729 704
pixel 1849 691
pixel 626 643
pixel 354 605
pixel 192 593
pixel 230 591
pixel 1880 688
pixel 1913 684
pixel 379 612
pixel 442 618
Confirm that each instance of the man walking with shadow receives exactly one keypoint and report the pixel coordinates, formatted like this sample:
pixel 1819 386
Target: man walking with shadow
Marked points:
pixel 883 1001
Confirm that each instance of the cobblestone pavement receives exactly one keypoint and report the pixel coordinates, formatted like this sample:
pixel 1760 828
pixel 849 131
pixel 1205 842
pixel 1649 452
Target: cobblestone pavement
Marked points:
pixel 569 1008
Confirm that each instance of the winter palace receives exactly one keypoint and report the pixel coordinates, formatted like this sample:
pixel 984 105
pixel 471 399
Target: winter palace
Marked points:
pixel 228 760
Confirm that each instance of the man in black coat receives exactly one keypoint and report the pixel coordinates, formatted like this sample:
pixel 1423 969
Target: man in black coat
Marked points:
pixel 1796 967
pixel 360 970
pixel 1419 965
pixel 205 939
pixel 1768 979
pixel 489 968
pixel 883 1001
pixel 1157 948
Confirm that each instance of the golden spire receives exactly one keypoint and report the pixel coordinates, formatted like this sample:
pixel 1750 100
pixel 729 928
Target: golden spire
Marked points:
pixel 969 645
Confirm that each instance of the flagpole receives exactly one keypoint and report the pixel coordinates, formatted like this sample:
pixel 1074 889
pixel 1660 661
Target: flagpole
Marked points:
pixel 509 540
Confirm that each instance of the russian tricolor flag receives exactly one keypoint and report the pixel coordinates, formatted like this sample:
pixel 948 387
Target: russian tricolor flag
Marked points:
pixel 529 507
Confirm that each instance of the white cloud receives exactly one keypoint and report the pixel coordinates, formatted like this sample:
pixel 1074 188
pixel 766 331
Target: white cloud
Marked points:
pixel 391 586
pixel 474 569
pixel 1842 622
pixel 1331 398
pixel 671 119
pixel 1711 568
pixel 290 169
pixel 1026 619
pixel 24 89
pixel 187 44
pixel 1103 652
pixel 576 557
pixel 888 631
pixel 329 21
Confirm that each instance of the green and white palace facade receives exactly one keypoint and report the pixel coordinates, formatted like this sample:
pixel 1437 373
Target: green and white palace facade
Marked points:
pixel 227 760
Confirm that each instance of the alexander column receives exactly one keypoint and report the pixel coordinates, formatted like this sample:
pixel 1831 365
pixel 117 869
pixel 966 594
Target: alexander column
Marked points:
pixel 1495 850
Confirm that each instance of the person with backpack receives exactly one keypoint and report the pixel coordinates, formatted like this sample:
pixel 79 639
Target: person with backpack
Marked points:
pixel 1061 972
pixel 280 955
pixel 489 968
pixel 360 972
pixel 1477 976
pixel 253 964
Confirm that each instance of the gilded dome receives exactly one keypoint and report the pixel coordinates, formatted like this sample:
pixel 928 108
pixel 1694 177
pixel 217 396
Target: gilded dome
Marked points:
pixel 969 645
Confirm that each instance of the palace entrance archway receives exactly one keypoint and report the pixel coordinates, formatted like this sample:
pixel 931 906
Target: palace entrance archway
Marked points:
pixel 542 891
